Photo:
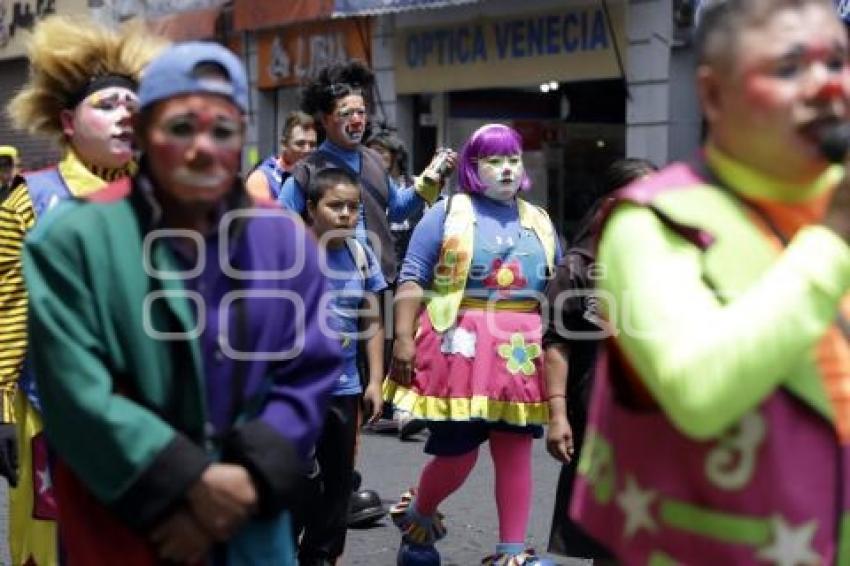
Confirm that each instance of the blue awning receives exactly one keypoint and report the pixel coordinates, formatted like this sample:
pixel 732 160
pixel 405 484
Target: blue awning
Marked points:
pixel 344 8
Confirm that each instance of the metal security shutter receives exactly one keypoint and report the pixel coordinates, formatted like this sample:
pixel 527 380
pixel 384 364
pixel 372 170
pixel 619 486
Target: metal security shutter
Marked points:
pixel 36 151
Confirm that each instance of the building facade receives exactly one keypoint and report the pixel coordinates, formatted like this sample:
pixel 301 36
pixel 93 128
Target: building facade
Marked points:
pixel 584 81
pixel 16 22
pixel 176 19
pixel 552 69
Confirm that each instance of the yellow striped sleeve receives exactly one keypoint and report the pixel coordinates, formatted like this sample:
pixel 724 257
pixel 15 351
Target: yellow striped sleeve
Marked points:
pixel 16 217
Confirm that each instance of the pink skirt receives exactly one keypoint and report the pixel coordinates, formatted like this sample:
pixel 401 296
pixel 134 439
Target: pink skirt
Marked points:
pixel 489 366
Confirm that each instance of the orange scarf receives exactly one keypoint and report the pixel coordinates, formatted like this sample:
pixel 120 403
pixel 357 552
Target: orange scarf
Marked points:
pixel 832 354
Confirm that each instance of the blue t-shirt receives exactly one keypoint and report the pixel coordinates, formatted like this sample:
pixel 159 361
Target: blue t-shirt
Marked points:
pixel 508 261
pixel 348 288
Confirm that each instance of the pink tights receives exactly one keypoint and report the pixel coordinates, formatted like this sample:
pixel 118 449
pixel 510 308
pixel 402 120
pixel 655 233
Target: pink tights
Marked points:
pixel 512 462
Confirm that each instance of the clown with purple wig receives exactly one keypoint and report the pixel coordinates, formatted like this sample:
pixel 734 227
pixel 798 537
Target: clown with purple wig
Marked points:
pixel 470 363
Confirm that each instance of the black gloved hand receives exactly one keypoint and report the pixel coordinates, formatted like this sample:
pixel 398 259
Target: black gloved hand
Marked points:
pixel 9 452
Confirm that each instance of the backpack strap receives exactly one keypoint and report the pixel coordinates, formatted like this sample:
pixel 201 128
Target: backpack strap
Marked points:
pixel 46 188
pixel 275 176
pixel 301 173
pixel 355 248
pixel 372 169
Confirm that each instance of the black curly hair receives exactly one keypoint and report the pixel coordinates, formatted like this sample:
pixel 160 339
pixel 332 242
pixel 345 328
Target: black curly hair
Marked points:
pixel 336 81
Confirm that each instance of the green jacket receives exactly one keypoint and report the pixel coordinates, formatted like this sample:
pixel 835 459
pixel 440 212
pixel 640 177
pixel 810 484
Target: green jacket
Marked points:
pixel 135 454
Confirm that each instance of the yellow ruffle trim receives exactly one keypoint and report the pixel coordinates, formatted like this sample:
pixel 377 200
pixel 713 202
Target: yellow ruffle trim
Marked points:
pixel 465 409
pixel 506 306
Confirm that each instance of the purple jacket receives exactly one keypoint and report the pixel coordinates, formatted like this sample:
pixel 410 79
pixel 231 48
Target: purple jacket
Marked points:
pixel 280 334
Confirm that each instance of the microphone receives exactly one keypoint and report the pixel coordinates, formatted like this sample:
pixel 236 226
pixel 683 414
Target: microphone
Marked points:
pixel 834 141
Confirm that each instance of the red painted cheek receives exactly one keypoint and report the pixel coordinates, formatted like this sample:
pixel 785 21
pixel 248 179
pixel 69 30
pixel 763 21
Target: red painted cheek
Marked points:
pixel 165 156
pixel 229 158
pixel 762 91
pixel 163 160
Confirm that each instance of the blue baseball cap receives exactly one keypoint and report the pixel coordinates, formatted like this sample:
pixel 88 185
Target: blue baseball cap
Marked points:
pixel 175 72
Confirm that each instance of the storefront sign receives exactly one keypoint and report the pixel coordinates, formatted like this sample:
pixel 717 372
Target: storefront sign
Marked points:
pixel 568 44
pixel 18 17
pixel 288 56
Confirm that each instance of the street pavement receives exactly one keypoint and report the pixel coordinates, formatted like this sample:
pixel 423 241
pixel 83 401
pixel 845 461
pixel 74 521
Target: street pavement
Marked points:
pixel 390 466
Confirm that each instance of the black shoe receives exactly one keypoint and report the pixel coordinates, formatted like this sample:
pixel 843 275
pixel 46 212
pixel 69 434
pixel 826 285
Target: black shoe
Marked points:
pixel 410 426
pixel 365 508
pixel 384 426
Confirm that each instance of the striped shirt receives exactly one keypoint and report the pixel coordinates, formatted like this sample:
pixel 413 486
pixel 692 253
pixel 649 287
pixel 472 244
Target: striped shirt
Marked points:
pixel 17 216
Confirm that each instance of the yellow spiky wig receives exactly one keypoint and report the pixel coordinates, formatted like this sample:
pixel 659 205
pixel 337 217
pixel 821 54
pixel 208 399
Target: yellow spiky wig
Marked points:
pixel 65 54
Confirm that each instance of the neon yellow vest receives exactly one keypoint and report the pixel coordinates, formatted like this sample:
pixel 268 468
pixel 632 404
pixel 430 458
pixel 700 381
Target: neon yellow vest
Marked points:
pixel 456 254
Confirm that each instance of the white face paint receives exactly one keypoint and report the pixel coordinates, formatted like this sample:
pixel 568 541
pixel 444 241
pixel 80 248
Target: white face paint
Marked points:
pixel 346 125
pixel 100 129
pixel 501 175
pixel 354 136
pixel 187 177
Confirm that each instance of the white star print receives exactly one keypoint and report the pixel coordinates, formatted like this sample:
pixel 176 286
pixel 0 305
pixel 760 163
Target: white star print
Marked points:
pixel 635 504
pixel 791 546
pixel 45 481
pixel 459 341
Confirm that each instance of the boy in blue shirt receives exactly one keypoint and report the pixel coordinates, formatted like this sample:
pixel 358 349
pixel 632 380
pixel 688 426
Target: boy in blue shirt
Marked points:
pixel 355 279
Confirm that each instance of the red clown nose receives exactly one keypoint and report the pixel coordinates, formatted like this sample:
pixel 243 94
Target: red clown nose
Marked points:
pixel 833 88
